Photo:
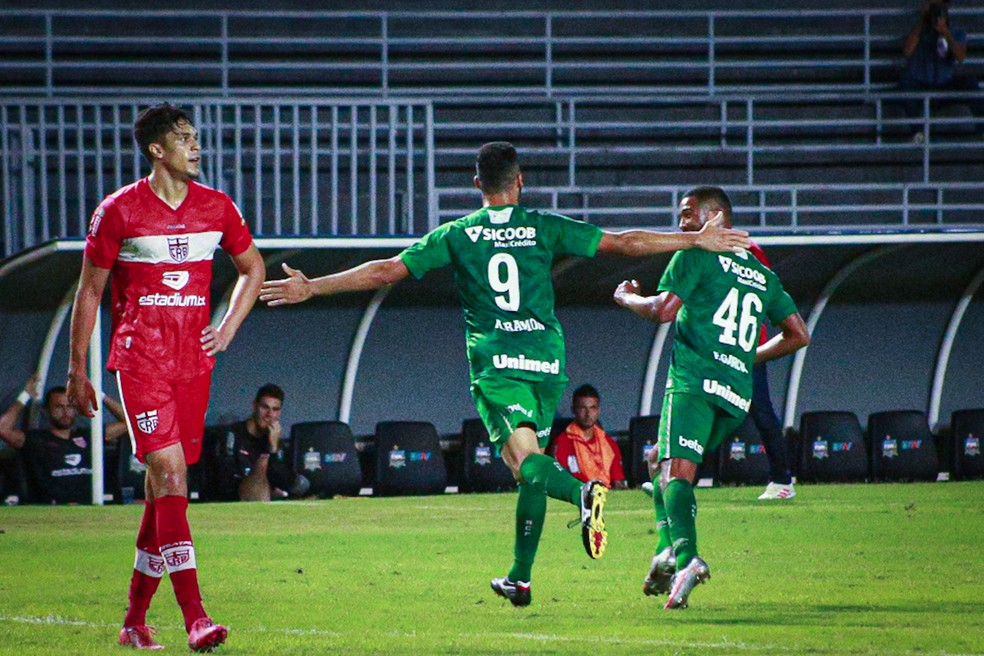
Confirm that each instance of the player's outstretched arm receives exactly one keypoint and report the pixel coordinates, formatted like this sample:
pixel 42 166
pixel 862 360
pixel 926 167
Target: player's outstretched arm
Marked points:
pixel 92 282
pixel 297 287
pixel 795 335
pixel 661 308
pixel 712 237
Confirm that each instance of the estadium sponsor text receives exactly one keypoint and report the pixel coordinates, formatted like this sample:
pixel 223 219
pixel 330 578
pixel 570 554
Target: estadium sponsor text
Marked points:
pixel 172 300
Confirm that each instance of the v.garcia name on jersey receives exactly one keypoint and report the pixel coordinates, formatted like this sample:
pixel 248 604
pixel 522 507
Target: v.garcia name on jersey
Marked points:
pixel 732 361
pixel 511 237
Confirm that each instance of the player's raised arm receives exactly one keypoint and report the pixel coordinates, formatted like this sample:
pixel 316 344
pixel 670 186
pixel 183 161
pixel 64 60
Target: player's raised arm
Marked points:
pixel 712 237
pixel 795 335
pixel 297 287
pixel 661 308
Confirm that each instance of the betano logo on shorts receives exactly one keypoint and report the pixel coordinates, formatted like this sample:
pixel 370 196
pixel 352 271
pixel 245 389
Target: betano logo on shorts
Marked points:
pixel 503 237
pixel 522 363
pixel 516 407
pixel 693 445
pixel 726 393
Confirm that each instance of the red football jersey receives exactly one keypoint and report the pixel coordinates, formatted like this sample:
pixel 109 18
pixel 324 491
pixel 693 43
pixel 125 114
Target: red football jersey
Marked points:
pixel 759 255
pixel 161 262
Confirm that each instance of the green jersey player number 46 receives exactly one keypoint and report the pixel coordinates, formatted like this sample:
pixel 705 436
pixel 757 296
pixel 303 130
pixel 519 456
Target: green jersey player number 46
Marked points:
pixel 718 301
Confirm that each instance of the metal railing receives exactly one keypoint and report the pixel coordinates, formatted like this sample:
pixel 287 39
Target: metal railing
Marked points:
pixel 742 133
pixel 441 54
pixel 299 168
pixel 338 168
pixel 786 209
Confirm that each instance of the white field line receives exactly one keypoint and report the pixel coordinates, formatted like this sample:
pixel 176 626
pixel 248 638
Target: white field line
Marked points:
pixel 730 647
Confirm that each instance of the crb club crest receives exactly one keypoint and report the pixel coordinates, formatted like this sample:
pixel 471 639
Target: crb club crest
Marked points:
pixel 147 421
pixel 178 557
pixel 178 248
pixel 155 564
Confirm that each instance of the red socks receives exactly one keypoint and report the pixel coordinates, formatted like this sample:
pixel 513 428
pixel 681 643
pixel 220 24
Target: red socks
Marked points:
pixel 148 568
pixel 178 553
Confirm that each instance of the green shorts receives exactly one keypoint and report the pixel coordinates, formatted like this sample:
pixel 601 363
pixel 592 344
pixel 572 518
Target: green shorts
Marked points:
pixel 505 403
pixel 691 424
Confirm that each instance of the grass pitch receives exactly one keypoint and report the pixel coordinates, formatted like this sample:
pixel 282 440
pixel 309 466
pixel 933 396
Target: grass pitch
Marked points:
pixel 864 569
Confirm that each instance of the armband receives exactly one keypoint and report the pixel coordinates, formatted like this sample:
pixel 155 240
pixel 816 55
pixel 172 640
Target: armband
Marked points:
pixel 23 398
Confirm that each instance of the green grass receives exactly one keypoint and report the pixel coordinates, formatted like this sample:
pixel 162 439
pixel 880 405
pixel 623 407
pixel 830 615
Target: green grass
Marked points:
pixel 865 569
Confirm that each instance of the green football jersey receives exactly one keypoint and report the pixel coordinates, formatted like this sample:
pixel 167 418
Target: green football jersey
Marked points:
pixel 502 258
pixel 725 298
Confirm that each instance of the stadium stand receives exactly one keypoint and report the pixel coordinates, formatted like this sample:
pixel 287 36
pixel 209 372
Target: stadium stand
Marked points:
pixel 362 125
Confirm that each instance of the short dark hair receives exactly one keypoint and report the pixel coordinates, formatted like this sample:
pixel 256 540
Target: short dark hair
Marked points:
pixel 497 166
pixel 711 198
pixel 153 124
pixel 586 391
pixel 57 389
pixel 269 390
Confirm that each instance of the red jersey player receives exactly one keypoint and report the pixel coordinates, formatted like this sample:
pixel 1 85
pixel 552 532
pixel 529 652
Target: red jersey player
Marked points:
pixel 156 237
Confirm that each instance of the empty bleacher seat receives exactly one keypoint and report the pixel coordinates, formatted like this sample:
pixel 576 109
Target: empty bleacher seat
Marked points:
pixel 485 471
pixel 324 452
pixel 832 448
pixel 742 457
pixel 217 470
pixel 967 428
pixel 130 473
pixel 642 439
pixel 408 459
pixel 902 446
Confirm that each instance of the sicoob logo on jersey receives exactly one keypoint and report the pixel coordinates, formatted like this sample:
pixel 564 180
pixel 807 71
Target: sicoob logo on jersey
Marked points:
pixel 178 248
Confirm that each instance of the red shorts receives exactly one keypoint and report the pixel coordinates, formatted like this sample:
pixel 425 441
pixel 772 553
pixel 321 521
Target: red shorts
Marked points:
pixel 160 413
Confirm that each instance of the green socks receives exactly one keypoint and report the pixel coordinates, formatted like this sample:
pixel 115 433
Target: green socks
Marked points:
pixel 681 510
pixel 531 509
pixel 543 477
pixel 546 475
pixel 662 521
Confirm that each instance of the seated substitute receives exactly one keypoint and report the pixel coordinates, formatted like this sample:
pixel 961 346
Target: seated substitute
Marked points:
pixel 584 448
pixel 250 463
pixel 57 459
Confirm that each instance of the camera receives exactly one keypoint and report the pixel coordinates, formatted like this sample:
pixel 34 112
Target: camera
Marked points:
pixel 937 11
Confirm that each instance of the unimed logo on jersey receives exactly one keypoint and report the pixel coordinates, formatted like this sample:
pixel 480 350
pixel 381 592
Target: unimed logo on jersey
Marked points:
pixel 147 421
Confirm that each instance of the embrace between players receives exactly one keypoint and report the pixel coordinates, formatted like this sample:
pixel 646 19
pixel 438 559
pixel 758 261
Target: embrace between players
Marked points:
pixel 157 237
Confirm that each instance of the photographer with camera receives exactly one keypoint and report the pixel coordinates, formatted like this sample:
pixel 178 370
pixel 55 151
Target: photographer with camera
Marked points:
pixel 932 50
